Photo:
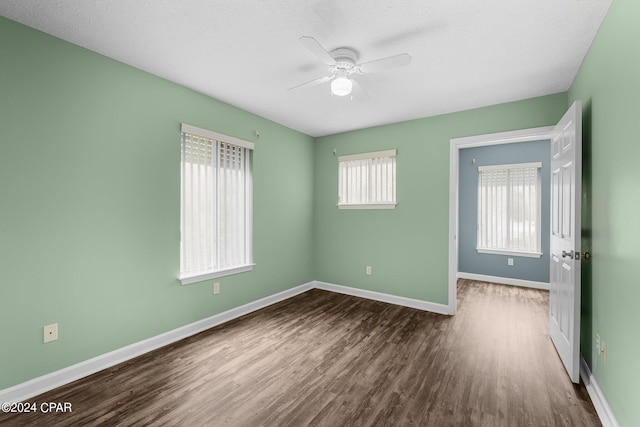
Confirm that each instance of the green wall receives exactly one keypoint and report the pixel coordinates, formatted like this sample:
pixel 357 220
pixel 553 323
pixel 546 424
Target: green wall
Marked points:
pixel 407 248
pixel 609 86
pixel 90 204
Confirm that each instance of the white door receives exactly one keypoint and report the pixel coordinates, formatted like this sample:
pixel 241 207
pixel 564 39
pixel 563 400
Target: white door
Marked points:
pixel 564 295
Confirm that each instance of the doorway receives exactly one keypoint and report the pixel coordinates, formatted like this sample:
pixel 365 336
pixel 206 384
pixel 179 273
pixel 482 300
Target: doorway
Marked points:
pixel 565 235
pixel 457 144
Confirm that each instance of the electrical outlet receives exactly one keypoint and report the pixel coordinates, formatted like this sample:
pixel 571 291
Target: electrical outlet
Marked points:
pixel 604 351
pixel 598 348
pixel 51 332
pixel 510 261
pixel 216 288
pixel 368 271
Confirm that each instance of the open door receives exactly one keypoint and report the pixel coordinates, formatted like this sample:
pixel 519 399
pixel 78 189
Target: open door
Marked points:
pixel 564 295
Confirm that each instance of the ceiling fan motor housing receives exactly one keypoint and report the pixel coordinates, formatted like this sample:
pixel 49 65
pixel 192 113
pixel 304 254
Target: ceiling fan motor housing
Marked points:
pixel 345 59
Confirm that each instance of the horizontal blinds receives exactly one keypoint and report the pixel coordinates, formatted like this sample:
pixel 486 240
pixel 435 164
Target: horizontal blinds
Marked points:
pixel 510 166
pixel 509 208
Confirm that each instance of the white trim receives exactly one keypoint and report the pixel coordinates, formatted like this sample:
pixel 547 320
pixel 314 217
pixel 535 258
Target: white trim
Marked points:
pixel 368 206
pixel 390 299
pixel 523 135
pixel 205 133
pixel 64 376
pixel 453 227
pixel 509 252
pixel 248 210
pixel 371 155
pixel 200 277
pixel 504 280
pixel 456 144
pixel 597 398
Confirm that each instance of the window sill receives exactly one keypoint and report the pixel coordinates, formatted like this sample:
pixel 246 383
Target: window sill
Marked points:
pixel 187 280
pixel 508 252
pixel 369 206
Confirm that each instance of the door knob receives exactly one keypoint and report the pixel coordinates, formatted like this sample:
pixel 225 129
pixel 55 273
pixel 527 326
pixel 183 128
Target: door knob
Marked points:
pixel 566 254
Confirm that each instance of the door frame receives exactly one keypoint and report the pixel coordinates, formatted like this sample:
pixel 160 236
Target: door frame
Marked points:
pixel 456 144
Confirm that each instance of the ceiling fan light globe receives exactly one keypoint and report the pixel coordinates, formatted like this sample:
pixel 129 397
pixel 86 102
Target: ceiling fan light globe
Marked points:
pixel 341 86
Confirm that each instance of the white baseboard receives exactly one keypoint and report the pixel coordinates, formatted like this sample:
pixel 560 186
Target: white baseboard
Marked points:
pixel 72 373
pixel 377 296
pixel 64 376
pixel 599 402
pixel 504 280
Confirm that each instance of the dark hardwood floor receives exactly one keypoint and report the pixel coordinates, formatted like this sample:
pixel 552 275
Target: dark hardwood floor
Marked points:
pixel 328 359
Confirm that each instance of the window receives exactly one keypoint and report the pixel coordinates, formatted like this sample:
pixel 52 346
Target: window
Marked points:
pixel 509 209
pixel 367 180
pixel 215 238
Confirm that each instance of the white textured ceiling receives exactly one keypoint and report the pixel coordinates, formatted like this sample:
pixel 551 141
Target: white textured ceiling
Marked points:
pixel 466 53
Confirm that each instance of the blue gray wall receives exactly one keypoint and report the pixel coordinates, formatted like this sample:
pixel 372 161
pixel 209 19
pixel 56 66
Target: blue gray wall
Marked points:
pixel 469 260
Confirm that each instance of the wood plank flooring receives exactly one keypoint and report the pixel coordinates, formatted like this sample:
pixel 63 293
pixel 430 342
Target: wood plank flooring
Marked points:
pixel 326 359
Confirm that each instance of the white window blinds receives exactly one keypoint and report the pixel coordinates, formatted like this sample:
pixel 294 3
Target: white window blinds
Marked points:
pixel 367 180
pixel 509 208
pixel 216 204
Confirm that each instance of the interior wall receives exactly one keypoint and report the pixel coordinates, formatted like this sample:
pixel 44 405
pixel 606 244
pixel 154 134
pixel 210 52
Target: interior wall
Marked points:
pixel 90 204
pixel 608 84
pixel 406 247
pixel 469 260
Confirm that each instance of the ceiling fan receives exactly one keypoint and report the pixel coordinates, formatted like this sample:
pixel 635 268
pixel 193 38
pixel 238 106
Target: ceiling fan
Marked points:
pixel 344 68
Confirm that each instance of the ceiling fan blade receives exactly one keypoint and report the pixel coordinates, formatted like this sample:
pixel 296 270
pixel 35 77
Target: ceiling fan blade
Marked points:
pixel 313 82
pixel 359 94
pixel 317 49
pixel 385 63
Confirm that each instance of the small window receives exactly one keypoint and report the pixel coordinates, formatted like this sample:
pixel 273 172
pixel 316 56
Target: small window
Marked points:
pixel 367 180
pixel 509 209
pixel 215 238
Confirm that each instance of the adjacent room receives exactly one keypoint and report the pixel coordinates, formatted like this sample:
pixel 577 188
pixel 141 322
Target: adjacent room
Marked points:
pixel 284 213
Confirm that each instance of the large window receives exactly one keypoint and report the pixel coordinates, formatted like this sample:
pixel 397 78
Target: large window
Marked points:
pixel 509 209
pixel 215 205
pixel 367 180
